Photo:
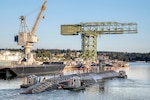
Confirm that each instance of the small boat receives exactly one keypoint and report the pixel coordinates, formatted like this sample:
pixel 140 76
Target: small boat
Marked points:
pixel 122 74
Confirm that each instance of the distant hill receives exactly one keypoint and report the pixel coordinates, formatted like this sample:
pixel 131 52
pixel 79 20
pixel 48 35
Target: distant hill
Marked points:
pixel 123 56
pixel 131 57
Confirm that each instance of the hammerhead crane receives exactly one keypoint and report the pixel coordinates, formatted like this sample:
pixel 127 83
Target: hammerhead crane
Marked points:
pixel 25 38
pixel 90 30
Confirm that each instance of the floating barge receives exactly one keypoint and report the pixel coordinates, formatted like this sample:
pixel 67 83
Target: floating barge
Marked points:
pixel 22 71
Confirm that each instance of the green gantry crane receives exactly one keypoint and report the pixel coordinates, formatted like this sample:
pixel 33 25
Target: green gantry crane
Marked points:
pixel 89 32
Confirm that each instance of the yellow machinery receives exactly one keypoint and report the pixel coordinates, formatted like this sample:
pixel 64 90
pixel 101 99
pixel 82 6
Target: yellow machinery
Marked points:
pixel 89 32
pixel 26 38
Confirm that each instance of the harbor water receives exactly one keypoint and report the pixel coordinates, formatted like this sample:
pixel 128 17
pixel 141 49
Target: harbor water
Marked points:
pixel 135 87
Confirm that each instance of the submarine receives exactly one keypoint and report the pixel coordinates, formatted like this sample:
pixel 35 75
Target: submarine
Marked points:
pixel 72 81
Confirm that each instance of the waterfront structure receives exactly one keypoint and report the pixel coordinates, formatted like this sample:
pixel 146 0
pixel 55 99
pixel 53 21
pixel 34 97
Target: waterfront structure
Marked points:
pixel 6 55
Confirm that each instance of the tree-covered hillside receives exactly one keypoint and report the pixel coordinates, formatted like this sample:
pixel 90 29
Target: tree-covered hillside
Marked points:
pixel 124 56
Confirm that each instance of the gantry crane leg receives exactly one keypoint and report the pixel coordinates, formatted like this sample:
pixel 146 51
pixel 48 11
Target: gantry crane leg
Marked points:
pixel 89 47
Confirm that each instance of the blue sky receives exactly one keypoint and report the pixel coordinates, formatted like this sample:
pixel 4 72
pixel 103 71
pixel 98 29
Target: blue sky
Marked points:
pixel 60 12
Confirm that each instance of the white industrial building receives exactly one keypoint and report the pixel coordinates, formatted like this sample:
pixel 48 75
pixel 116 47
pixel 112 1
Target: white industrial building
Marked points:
pixel 6 55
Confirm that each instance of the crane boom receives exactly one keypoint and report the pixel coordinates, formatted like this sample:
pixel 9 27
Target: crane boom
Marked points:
pixel 99 28
pixel 108 27
pixel 38 18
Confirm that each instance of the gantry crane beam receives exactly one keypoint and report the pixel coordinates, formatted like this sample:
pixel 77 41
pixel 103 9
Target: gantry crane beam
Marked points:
pixel 108 27
pixel 89 32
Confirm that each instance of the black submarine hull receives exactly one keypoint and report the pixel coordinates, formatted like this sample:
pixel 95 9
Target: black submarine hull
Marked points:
pixel 68 81
pixel 21 71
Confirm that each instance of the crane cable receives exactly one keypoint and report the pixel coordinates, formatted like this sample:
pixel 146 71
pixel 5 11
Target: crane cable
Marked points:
pixel 33 11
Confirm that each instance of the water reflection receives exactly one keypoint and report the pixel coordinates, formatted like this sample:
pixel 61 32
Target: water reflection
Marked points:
pixel 135 87
pixel 138 73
